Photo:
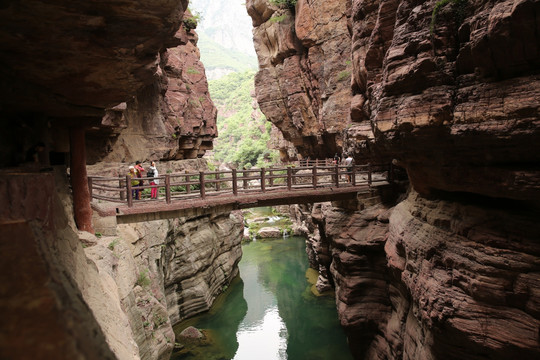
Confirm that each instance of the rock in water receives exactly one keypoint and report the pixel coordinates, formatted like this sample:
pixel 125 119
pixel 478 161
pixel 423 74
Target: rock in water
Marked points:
pixel 190 334
pixel 269 232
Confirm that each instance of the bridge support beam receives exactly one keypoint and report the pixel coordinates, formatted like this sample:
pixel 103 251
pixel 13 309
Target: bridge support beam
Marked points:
pixel 79 180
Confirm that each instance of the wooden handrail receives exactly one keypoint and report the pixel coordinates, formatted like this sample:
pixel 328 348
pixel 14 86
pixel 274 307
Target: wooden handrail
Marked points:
pixel 321 174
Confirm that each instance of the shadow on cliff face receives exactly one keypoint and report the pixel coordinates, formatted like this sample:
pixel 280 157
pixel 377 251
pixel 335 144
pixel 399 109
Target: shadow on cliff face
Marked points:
pixel 516 207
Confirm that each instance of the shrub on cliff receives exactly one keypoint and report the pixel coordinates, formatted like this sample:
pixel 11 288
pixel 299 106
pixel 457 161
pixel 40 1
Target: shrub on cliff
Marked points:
pixel 286 3
pixel 243 129
pixel 191 21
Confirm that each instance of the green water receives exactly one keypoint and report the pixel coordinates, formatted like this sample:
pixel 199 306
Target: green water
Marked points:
pixel 269 312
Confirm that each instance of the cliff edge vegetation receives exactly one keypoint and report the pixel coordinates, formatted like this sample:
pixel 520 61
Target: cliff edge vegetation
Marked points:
pixel 244 131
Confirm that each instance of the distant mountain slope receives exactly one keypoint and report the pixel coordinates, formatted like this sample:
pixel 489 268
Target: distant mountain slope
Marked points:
pixel 243 130
pixel 219 61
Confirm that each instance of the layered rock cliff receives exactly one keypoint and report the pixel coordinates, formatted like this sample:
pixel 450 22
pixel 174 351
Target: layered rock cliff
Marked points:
pixel 130 76
pixel 303 85
pixel 172 118
pixel 450 90
pixel 163 272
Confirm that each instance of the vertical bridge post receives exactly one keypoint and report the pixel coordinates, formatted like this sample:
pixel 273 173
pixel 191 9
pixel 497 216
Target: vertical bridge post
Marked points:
pixel 336 174
pixel 202 184
pixel 129 192
pixel 289 178
pixel 188 186
pixel 168 188
pixel 263 179
pixel 82 210
pixel 217 182
pixel 234 182
pixel 245 182
pixel 121 187
pixel 314 177
pixel 353 175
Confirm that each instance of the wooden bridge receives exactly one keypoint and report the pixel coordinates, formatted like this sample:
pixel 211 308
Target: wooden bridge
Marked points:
pixel 236 189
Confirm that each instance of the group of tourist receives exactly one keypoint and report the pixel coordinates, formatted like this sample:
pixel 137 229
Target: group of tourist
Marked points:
pixel 348 161
pixel 137 174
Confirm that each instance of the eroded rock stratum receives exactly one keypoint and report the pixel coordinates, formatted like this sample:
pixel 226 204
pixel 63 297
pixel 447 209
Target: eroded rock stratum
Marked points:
pixel 128 75
pixel 303 85
pixel 450 91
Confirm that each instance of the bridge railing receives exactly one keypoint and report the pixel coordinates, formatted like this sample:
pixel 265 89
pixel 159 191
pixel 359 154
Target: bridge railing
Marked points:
pixel 315 162
pixel 236 182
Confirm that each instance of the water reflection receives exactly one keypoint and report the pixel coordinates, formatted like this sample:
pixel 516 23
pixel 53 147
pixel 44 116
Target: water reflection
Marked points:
pixel 265 340
pixel 270 313
pixel 262 333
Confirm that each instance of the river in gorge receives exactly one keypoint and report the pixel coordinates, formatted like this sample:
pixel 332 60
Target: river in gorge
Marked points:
pixel 269 312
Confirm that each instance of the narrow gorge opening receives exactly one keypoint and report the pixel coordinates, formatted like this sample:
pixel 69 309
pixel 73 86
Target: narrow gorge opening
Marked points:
pixel 272 307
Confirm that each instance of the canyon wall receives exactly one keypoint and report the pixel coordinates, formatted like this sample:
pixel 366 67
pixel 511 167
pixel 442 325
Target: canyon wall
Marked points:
pixel 162 271
pixel 69 294
pixel 45 275
pixel 303 85
pixel 129 75
pixel 165 271
pixel 449 90
pixel 171 118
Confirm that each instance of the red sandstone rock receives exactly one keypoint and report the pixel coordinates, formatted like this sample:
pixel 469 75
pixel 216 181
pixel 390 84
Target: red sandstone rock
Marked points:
pixel 303 83
pixel 462 266
pixel 75 59
pixel 458 108
pixel 171 119
pixel 41 307
pixel 457 105
pixel 190 333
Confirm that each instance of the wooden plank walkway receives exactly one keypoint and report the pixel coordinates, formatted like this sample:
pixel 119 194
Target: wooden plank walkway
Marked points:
pixel 235 189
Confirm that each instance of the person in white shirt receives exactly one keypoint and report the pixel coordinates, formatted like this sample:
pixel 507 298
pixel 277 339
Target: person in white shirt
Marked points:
pixel 153 173
pixel 349 162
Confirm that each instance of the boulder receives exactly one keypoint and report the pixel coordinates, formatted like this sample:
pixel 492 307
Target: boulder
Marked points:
pixel 190 334
pixel 269 232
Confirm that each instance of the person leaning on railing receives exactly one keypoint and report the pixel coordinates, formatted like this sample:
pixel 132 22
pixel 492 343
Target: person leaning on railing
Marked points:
pixel 349 162
pixel 153 173
pixel 134 183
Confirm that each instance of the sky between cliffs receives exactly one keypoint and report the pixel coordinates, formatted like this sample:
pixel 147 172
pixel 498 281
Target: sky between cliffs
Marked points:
pixel 226 22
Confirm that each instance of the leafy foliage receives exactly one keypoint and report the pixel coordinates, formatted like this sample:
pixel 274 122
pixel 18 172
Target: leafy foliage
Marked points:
pixel 113 244
pixel 458 9
pixel 191 22
pixel 287 3
pixel 143 279
pixel 243 131
pixel 278 18
pixel 345 74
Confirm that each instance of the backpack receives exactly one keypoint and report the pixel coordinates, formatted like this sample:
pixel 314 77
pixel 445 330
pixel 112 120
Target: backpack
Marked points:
pixel 150 173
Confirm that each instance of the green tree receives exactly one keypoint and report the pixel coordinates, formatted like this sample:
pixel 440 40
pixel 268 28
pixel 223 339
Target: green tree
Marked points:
pixel 243 131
